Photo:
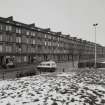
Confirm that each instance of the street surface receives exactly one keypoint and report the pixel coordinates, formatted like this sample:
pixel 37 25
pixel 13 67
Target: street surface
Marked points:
pixel 77 87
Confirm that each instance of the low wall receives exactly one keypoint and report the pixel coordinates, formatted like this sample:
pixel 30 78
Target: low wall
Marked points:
pixel 14 72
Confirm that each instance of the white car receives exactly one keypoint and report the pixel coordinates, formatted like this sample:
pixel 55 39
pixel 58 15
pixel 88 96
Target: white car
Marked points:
pixel 47 66
pixel 10 64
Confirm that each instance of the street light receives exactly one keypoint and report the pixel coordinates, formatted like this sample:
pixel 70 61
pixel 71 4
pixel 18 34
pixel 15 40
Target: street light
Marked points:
pixel 95 46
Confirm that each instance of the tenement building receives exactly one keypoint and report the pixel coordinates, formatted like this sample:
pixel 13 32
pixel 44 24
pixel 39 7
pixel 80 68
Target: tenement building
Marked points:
pixel 26 43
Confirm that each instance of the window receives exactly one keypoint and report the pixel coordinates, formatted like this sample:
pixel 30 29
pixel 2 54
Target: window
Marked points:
pixel 18 39
pixel 32 33
pixel 1 27
pixel 8 48
pixel 47 64
pixel 8 28
pixel 1 48
pixel 32 49
pixel 33 41
pixel 1 38
pixel 49 37
pixel 58 44
pixel 49 43
pixel 18 49
pixel 45 36
pixel 25 58
pixel 27 33
pixel 27 40
pixel 10 38
pixel 45 43
pixel 18 30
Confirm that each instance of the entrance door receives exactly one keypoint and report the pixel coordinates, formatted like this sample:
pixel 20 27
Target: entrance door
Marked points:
pixel 2 60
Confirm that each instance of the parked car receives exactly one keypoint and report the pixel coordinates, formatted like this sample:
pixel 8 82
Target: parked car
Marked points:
pixel 10 64
pixel 47 66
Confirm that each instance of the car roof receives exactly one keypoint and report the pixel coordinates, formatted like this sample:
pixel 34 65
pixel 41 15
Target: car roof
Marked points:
pixel 46 62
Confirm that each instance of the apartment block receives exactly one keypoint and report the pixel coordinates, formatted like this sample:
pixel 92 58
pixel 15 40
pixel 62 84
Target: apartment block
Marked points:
pixel 26 43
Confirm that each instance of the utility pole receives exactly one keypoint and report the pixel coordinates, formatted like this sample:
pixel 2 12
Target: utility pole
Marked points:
pixel 95 58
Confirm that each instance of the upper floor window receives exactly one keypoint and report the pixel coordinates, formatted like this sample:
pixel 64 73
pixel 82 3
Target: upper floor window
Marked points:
pixel 8 28
pixel 25 58
pixel 49 43
pixel 45 36
pixel 1 48
pixel 18 49
pixel 18 39
pixel 27 33
pixel 58 44
pixel 49 37
pixel 18 30
pixel 1 27
pixel 45 43
pixel 32 33
pixel 8 48
pixel 8 38
pixel 27 40
pixel 1 37
pixel 33 42
pixel 58 38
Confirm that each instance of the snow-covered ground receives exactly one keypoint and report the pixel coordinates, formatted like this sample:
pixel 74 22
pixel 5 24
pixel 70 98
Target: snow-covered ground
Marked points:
pixel 71 88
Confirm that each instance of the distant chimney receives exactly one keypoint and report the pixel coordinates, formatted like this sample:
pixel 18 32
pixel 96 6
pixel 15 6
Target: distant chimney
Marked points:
pixel 32 25
pixel 74 38
pixel 10 18
pixel 68 36
pixel 59 33
pixel 80 39
pixel 46 30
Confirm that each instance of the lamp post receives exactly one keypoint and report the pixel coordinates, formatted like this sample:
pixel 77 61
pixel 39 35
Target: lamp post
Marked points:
pixel 95 58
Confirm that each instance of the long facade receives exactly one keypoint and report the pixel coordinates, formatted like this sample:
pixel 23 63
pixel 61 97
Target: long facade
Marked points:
pixel 25 43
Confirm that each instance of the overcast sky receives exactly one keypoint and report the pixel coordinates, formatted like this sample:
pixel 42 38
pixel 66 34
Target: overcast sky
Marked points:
pixel 74 17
